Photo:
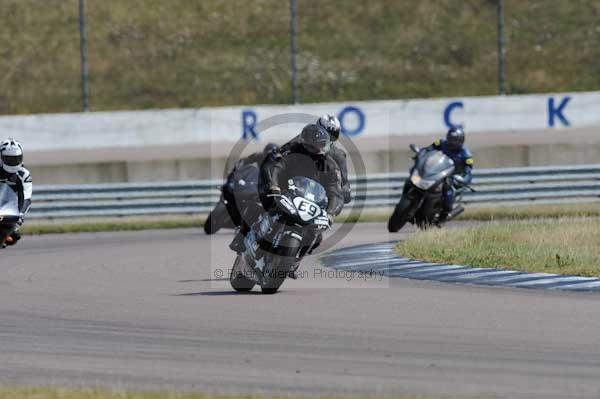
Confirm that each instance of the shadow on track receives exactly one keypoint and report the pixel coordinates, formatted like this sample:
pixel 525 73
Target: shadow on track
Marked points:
pixel 219 293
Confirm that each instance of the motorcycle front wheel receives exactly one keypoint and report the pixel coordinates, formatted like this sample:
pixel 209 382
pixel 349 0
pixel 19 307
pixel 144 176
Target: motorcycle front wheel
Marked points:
pixel 281 262
pixel 400 216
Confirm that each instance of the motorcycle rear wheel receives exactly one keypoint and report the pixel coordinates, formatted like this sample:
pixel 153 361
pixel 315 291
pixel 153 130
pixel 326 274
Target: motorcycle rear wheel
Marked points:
pixel 272 287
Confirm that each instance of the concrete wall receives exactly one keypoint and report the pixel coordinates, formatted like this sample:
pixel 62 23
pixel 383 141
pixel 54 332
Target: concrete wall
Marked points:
pixel 390 158
pixel 151 145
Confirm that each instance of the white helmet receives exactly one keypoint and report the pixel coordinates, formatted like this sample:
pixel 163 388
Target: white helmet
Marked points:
pixel 11 153
pixel 332 125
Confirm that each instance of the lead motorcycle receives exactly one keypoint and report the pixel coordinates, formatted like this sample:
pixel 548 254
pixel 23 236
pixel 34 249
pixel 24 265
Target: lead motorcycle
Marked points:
pixel 239 199
pixel 421 202
pixel 279 240
pixel 10 216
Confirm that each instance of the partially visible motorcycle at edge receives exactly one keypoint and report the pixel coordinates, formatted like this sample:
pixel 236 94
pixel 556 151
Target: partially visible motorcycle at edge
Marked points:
pixel 421 202
pixel 10 216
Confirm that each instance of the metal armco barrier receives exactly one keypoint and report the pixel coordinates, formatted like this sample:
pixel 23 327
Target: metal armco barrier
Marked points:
pixel 511 186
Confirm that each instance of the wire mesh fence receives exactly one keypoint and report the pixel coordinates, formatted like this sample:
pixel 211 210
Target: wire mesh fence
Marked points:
pixel 194 53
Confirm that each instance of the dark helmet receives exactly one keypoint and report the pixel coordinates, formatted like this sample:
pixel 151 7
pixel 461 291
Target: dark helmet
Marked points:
pixel 455 138
pixel 331 124
pixel 270 148
pixel 315 140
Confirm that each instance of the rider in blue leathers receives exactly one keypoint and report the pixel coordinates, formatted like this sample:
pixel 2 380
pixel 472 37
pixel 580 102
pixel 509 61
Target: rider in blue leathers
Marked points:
pixel 453 146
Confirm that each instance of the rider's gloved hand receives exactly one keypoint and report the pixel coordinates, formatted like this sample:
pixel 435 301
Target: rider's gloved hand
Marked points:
pixel 324 221
pixel 347 196
pixel 418 154
pixel 458 181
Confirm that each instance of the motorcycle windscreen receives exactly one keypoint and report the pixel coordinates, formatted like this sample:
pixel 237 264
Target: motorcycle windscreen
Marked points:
pixel 9 201
pixel 435 165
pixel 309 189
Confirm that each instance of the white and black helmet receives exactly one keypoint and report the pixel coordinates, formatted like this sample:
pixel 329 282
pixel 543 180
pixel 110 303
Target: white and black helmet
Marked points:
pixel 331 124
pixel 11 154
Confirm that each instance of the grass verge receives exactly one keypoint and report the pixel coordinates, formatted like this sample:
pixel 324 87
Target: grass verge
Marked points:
pixel 563 246
pixel 531 212
pixel 111 224
pixel 59 393
pixel 382 215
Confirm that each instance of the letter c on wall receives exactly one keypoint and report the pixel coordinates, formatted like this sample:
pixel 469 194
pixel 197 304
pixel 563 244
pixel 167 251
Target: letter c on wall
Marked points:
pixel 448 113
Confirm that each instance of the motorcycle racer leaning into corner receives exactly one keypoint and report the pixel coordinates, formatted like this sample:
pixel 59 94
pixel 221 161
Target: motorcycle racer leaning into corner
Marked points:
pixel 18 178
pixel 257 158
pixel 332 125
pixel 308 157
pixel 453 146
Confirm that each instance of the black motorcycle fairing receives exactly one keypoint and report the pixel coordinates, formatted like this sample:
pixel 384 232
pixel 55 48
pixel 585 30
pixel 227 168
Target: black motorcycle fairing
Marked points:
pixel 239 201
pixel 302 201
pixel 244 182
pixel 279 239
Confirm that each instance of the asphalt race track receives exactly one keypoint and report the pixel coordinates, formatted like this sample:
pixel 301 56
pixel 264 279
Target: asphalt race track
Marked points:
pixel 145 310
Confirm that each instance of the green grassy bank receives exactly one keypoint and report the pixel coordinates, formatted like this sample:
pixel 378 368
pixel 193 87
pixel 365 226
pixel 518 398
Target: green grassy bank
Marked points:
pixel 60 393
pixel 182 53
pixel 197 221
pixel 563 246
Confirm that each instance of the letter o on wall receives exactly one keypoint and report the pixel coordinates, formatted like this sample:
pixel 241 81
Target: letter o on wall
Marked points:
pixel 358 114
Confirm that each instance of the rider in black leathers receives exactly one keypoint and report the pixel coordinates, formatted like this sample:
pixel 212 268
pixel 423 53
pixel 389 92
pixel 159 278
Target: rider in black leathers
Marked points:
pixel 308 157
pixel 332 125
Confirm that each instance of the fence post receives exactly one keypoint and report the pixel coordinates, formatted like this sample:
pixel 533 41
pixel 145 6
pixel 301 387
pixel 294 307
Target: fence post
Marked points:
pixel 84 59
pixel 294 51
pixel 500 16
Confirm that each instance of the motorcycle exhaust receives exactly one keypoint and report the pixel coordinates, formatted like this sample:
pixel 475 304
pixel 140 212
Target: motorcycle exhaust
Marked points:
pixel 456 212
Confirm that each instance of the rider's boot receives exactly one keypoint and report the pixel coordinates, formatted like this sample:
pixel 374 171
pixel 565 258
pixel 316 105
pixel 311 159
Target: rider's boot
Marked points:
pixel 443 217
pixel 237 245
pixel 447 204
pixel 316 243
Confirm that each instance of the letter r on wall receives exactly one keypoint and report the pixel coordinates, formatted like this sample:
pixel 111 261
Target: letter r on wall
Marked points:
pixel 248 123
